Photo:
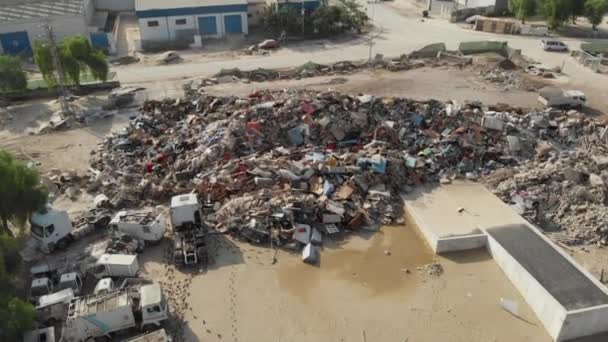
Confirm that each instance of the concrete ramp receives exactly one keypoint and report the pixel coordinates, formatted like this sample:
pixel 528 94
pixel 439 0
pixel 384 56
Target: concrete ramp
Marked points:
pixel 567 299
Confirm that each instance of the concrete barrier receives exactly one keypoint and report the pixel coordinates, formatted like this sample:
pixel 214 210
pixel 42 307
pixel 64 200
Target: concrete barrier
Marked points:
pixel 429 51
pixel 566 298
pixel 469 48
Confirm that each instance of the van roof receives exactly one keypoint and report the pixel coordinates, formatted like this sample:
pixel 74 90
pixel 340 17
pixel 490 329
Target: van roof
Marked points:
pixel 181 200
pixel 117 259
pixel 45 218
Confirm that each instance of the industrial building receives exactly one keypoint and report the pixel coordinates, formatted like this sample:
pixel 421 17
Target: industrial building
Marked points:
pixel 185 21
pixel 21 23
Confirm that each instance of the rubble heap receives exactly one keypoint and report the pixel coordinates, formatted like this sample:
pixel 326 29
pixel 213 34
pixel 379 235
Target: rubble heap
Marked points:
pixel 561 188
pixel 299 159
pixel 312 69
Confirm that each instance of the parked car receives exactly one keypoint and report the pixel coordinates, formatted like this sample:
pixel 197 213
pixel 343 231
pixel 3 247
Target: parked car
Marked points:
pixel 553 45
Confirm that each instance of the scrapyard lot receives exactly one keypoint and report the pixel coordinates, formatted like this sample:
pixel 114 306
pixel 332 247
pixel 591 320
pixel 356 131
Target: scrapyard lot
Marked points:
pixel 368 286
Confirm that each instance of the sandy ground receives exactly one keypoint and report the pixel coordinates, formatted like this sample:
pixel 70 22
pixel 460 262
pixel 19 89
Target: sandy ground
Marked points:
pixel 445 83
pixel 358 293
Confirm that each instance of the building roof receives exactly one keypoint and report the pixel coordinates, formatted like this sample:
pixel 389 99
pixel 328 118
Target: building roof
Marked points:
pixel 147 5
pixel 28 9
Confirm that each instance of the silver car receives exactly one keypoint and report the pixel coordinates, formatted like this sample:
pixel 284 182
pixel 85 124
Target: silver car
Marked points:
pixel 553 45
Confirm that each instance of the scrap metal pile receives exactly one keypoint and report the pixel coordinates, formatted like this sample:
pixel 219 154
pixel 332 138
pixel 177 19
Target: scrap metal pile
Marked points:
pixel 318 160
pixel 281 162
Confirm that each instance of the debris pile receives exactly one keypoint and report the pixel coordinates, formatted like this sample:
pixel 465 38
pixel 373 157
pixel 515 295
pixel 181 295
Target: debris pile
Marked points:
pixel 299 163
pixel 311 69
pixel 562 187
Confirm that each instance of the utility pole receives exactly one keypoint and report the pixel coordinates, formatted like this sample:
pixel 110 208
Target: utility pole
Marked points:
pixel 303 12
pixel 51 40
pixel 371 31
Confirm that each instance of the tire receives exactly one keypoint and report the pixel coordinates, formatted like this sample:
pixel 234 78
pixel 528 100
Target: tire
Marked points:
pixel 62 244
pixel 148 328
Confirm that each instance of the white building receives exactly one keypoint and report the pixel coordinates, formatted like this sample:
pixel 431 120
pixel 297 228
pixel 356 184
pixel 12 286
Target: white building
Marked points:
pixel 21 23
pixel 162 21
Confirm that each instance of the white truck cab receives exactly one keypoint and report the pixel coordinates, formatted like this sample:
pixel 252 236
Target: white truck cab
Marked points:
pixel 40 335
pixel 185 210
pixel 40 287
pixel 104 286
pixel 154 308
pixel 51 229
pixel 72 280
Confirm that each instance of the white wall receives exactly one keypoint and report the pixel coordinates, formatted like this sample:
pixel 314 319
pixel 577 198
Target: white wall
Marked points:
pixel 191 24
pixel 115 5
pixel 166 26
pixel 156 33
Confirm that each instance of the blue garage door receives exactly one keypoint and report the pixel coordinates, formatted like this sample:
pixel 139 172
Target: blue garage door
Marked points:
pixel 232 23
pixel 100 40
pixel 207 25
pixel 15 43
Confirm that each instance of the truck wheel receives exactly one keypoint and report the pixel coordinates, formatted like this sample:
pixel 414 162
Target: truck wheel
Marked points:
pixel 148 328
pixel 62 244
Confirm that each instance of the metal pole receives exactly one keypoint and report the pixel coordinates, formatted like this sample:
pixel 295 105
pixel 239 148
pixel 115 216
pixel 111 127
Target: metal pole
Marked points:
pixel 51 40
pixel 371 31
pixel 302 17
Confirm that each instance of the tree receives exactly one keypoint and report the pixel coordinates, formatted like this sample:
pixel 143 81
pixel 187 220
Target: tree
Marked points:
pixel 578 9
pixel 556 12
pixel 76 56
pixel 282 18
pixel 16 315
pixel 522 9
pixel 595 10
pixel 21 192
pixel 12 76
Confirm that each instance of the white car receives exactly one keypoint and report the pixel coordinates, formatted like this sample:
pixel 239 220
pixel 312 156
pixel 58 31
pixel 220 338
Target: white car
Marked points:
pixel 553 45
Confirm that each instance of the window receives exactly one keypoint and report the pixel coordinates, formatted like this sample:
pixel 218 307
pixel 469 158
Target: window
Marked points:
pixel 180 22
pixel 49 230
pixel 152 23
pixel 146 229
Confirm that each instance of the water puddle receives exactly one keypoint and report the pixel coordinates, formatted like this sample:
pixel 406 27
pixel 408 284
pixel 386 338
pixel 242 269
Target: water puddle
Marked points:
pixel 378 263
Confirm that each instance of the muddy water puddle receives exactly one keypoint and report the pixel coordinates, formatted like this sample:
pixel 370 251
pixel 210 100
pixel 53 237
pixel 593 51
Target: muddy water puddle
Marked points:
pixel 379 263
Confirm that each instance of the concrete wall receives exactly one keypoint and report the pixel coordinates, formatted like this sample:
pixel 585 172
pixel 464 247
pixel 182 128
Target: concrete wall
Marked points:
pixel 167 29
pixel 584 322
pixel 461 243
pixel 549 311
pixel 115 5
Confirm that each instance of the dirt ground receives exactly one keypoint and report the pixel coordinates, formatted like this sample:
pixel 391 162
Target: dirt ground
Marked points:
pixel 368 288
pixel 445 83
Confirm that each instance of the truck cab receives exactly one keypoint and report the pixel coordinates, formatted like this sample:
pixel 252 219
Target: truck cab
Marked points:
pixel 51 229
pixel 185 211
pixel 40 287
pixel 40 335
pixel 71 280
pixel 153 304
pixel 104 286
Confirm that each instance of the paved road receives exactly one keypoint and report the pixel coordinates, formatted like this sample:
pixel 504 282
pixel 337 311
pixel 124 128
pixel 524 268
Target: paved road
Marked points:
pixel 399 34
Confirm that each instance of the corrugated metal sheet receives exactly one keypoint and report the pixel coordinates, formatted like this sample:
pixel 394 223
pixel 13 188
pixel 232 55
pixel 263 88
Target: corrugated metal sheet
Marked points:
pixel 27 9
